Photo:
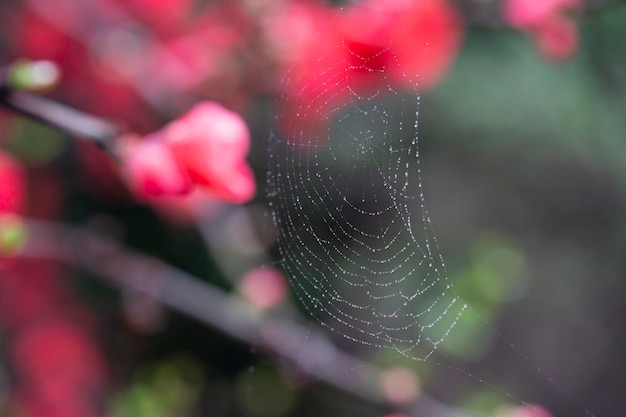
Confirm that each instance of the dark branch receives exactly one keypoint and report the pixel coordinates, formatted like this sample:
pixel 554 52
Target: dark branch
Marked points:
pixel 59 116
pixel 305 348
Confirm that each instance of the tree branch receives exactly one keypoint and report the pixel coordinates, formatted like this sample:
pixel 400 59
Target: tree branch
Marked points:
pixel 59 116
pixel 304 347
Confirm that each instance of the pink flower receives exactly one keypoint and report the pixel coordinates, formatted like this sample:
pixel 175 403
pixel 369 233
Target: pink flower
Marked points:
pixel 65 378
pixel 546 22
pixel 58 367
pixel 307 40
pixel 557 38
pixel 523 14
pixel 414 41
pixel 264 287
pixel 367 45
pixel 400 385
pixel 12 185
pixel 151 169
pixel 206 147
pixel 210 143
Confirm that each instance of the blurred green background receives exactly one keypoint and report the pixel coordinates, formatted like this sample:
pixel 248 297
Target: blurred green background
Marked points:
pixel 525 179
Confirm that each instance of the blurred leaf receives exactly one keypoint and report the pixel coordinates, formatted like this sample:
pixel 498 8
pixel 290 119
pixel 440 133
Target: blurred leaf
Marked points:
pixel 36 143
pixel 168 388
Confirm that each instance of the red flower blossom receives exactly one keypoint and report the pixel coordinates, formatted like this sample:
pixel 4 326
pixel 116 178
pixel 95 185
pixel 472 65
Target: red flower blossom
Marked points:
pixel 306 36
pixel 414 41
pixel 207 147
pixel 211 143
pixel 151 169
pixel 546 22
pixel 408 40
pixel 264 287
pixel 368 45
pixel 61 372
pixel 557 38
pixel 527 13
pixel 12 185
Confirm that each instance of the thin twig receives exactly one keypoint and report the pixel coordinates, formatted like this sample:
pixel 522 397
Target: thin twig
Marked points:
pixel 60 116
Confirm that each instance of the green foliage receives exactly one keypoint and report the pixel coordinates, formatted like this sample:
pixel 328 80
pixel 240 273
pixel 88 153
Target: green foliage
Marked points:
pixel 163 389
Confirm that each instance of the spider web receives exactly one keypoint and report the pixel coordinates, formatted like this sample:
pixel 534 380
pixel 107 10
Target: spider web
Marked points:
pixel 355 237
pixel 345 190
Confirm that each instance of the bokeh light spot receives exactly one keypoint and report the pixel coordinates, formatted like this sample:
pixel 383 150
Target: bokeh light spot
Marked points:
pixel 264 287
pixel 400 385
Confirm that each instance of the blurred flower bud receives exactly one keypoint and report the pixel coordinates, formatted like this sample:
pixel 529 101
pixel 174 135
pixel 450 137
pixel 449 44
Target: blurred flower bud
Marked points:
pixel 150 169
pixel 527 13
pixel 264 287
pixel 211 143
pixel 557 38
pixel 554 33
pixel 207 147
pixel 399 385
pixel 414 41
pixel 367 45
pixel 61 372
